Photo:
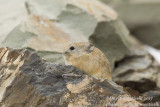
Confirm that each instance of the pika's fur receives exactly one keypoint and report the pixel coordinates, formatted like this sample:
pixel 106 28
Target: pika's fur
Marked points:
pixel 89 59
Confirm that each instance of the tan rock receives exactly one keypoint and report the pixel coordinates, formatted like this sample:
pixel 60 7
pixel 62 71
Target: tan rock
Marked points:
pixel 28 81
pixel 58 23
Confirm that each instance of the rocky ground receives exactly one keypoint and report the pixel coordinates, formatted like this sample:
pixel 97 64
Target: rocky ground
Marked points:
pixel 34 33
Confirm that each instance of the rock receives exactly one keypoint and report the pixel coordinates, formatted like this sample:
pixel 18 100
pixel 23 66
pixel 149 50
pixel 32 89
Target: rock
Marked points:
pixel 73 21
pixel 158 80
pixel 40 35
pixel 26 80
pixel 139 72
pixel 11 15
pixel 37 33
pixel 136 13
pixel 148 34
pixel 141 17
pixel 152 96
pixel 106 37
pixel 133 64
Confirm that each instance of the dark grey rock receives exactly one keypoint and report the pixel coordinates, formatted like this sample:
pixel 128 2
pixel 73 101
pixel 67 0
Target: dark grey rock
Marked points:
pixel 26 80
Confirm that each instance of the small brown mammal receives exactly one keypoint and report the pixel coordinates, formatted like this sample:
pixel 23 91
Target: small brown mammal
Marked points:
pixel 89 59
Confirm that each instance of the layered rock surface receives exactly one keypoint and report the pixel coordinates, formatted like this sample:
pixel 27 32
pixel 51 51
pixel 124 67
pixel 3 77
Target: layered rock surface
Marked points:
pixel 26 80
pixel 57 23
pixel 51 25
pixel 139 74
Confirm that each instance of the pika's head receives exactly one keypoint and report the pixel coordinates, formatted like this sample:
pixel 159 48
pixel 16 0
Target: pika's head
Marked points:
pixel 76 50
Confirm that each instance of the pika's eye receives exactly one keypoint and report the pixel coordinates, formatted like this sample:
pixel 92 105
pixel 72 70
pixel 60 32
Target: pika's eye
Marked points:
pixel 72 48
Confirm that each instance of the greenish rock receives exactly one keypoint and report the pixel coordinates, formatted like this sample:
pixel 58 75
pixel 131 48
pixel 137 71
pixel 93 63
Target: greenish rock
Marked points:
pixel 17 38
pixel 12 13
pixel 48 8
pixel 51 57
pixel 149 35
pixel 136 12
pixel 81 22
pixel 141 17
pixel 107 38
pixel 77 21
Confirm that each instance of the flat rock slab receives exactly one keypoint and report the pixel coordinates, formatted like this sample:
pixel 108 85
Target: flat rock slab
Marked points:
pixel 26 80
pixel 54 24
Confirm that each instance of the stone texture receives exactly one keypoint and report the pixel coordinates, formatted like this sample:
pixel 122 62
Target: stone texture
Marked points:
pixel 136 12
pixel 37 33
pixel 73 21
pixel 139 70
pixel 153 95
pixel 26 80
pixel 11 15
pixel 148 34
pixel 141 17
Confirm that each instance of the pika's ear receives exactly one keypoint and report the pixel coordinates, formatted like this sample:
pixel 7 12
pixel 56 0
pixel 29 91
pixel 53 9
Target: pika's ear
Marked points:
pixel 90 48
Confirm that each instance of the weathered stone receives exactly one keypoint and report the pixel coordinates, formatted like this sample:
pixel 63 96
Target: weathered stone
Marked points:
pixel 106 37
pixel 141 17
pixel 138 71
pixel 148 34
pixel 152 96
pixel 41 35
pixel 11 15
pixel 136 12
pixel 37 33
pixel 74 21
pixel 158 80
pixel 133 64
pixel 26 80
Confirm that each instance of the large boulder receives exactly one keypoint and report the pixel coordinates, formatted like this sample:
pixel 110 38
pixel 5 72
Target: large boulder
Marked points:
pixel 26 80
pixel 58 23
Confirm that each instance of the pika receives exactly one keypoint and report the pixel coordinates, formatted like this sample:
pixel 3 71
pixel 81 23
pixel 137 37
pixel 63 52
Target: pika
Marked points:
pixel 86 57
